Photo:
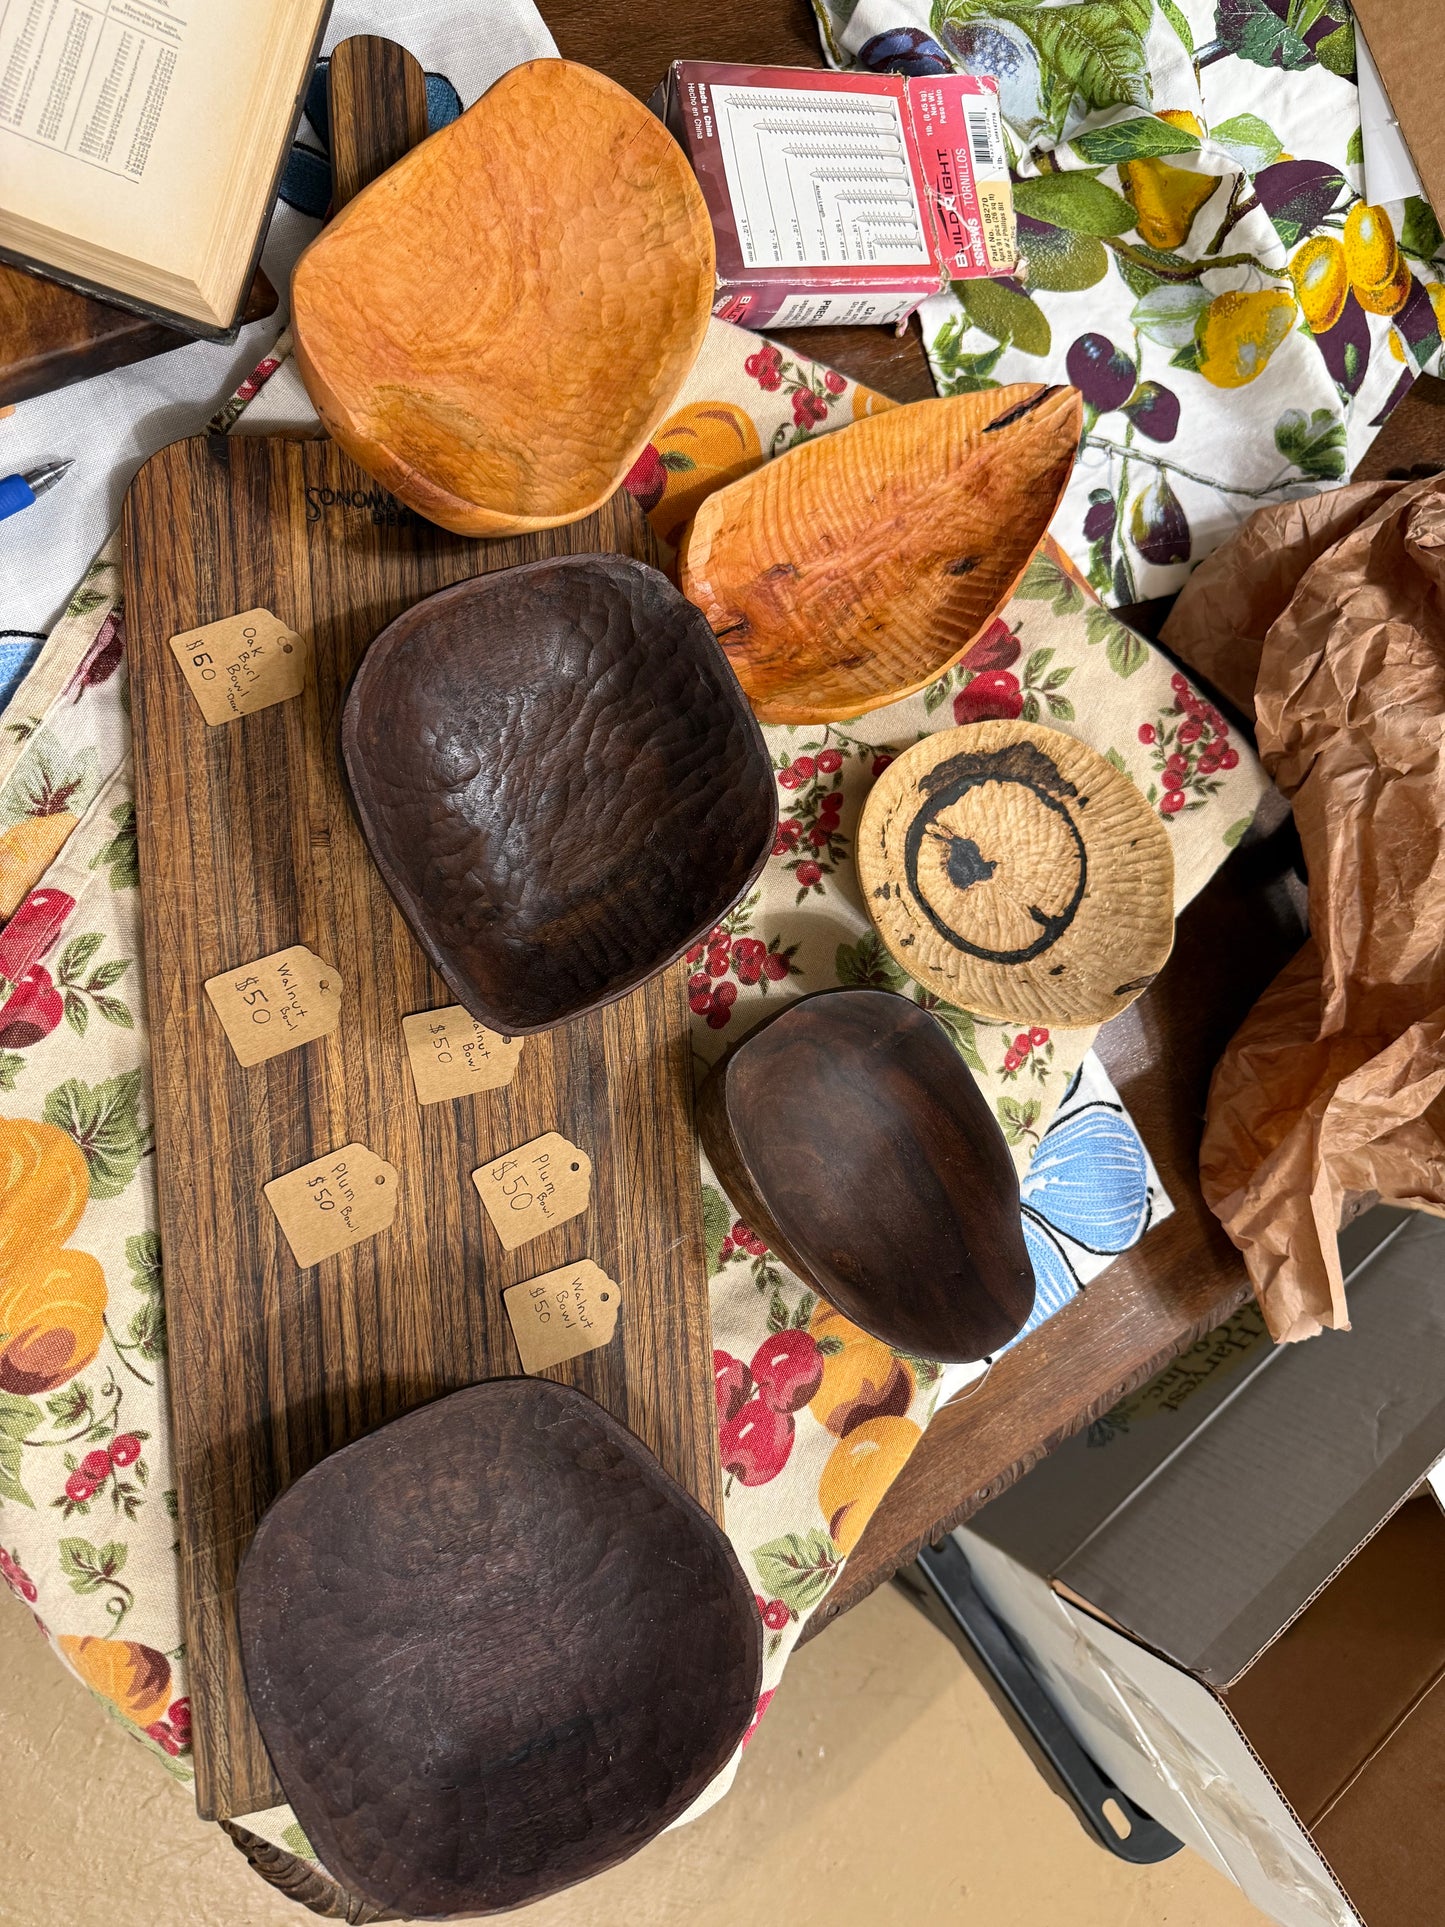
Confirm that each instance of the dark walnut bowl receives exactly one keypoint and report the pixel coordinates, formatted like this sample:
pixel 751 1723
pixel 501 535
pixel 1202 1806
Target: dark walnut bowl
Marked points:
pixel 493 1649
pixel 560 780
pixel 848 1132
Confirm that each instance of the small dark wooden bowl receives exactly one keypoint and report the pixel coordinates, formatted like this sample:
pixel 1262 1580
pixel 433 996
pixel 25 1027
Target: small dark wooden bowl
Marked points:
pixel 493 1649
pixel 560 780
pixel 849 1134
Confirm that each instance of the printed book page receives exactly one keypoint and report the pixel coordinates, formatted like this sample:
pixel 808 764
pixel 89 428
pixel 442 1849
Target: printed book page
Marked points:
pixel 121 122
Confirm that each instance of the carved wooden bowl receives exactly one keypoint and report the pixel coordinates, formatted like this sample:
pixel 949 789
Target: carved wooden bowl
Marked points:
pixel 849 1134
pixel 853 570
pixel 494 327
pixel 1012 870
pixel 493 1649
pixel 560 781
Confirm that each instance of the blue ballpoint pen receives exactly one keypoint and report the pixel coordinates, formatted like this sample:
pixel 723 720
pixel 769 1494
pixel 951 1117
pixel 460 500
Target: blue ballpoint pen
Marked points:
pixel 19 491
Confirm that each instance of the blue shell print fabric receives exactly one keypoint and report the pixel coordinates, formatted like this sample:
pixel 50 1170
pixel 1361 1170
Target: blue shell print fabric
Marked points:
pixel 1090 1193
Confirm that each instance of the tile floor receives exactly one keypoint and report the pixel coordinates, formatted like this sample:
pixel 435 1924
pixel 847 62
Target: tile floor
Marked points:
pixel 883 1788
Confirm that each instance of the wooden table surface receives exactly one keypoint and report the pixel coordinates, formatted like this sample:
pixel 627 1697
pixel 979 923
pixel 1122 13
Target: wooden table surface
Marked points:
pixel 1185 1277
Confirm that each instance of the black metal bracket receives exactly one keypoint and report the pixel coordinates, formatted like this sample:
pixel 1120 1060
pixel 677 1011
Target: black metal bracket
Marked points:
pixel 954 1601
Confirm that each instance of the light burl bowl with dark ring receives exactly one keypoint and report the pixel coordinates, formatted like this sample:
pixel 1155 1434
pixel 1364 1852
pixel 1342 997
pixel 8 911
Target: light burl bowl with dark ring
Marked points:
pixel 1013 871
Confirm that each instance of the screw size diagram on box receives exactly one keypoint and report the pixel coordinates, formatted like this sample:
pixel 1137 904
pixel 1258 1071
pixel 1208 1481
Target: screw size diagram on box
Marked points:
pixel 819 177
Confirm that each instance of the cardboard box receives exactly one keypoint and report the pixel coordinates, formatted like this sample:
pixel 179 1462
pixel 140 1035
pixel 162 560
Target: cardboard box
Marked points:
pixel 1411 63
pixel 842 197
pixel 1235 1590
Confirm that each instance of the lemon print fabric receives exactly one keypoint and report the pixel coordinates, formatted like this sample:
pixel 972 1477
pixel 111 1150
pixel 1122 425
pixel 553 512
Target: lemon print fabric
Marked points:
pixel 1237 334
pixel 1166 200
pixel 1191 193
pixel 1321 281
pixel 1378 274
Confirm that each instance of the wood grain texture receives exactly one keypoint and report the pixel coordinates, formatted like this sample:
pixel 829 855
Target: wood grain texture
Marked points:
pixel 1014 872
pixel 538 279
pixel 850 1137
pixel 377 101
pixel 50 336
pixel 853 571
pixel 302 1880
pixel 494 1649
pixel 561 782
pixel 248 844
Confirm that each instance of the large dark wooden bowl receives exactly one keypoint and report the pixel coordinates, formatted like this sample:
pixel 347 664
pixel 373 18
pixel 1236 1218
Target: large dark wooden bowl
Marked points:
pixel 560 780
pixel 849 1134
pixel 493 1649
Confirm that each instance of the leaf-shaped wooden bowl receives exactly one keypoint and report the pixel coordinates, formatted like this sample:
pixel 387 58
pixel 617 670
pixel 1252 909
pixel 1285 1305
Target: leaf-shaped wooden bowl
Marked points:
pixel 493 1649
pixel 494 327
pixel 853 570
pixel 1012 870
pixel 850 1135
pixel 560 781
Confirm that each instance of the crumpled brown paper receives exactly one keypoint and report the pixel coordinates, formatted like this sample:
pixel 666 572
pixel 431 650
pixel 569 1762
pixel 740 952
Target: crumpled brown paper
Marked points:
pixel 1219 623
pixel 1332 1094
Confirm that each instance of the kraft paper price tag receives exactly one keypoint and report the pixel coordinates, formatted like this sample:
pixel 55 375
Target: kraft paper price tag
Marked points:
pixel 452 1055
pixel 335 1202
pixel 277 1003
pixel 242 664
pixel 534 1187
pixel 562 1314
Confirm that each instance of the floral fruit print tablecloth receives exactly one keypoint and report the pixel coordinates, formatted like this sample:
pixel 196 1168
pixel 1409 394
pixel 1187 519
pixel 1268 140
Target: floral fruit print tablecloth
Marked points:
pixel 1197 255
pixel 815 1418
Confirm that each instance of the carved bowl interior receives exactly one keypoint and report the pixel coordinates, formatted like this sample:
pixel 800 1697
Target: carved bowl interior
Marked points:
pixel 560 780
pixel 849 1133
pixel 493 1648
pixel 495 326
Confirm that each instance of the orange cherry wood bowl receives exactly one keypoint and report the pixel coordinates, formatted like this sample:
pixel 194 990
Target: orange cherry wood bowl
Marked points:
pixel 494 327
pixel 852 571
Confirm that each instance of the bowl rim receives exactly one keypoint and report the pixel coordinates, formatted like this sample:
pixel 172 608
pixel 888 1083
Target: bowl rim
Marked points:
pixel 372 665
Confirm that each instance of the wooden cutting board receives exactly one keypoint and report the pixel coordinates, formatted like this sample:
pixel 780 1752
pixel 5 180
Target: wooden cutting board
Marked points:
pixel 247 846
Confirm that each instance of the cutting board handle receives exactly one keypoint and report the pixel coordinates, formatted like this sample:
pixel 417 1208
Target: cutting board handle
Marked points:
pixel 377 111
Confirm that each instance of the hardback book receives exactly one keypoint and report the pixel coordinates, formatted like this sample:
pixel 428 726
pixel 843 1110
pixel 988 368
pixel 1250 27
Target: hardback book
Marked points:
pixel 141 142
